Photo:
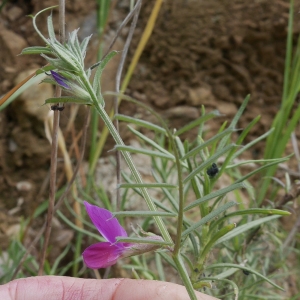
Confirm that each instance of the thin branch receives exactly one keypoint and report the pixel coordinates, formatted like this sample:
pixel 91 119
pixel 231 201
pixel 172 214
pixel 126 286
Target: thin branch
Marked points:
pixel 54 147
pixel 52 191
pixel 292 234
pixel 123 24
pixel 62 197
pixel 116 99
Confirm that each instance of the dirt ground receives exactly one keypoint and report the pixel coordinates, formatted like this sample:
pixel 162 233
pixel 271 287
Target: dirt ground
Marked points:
pixel 210 53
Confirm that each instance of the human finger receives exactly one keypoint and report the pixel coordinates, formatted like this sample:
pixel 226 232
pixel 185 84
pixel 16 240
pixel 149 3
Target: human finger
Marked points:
pixel 67 288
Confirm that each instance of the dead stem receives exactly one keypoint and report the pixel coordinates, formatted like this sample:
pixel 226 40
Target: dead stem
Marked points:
pixel 52 191
pixel 53 166
pixel 65 193
pixel 123 24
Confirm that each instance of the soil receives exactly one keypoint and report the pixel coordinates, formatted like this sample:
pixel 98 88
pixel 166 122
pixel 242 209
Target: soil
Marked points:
pixel 210 53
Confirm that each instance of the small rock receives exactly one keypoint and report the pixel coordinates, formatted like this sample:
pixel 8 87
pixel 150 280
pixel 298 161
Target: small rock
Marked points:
pixel 200 96
pixel 183 112
pixel 13 42
pixel 14 13
pixel 24 186
pixel 32 100
pixel 227 108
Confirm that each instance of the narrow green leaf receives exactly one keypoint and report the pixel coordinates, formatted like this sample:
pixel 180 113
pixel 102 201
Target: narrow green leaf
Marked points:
pixel 141 123
pixel 202 119
pixel 143 213
pixel 144 151
pixel 76 228
pixel 249 145
pixel 245 227
pixel 234 121
pixel 70 60
pixel 208 162
pixel 208 217
pixel 168 259
pixel 84 45
pixel 36 50
pixel 251 161
pixel 73 45
pixel 247 130
pixel 58 259
pixel 251 211
pixel 228 265
pixel 207 247
pixel 67 99
pixel 235 287
pixel 240 112
pixel 208 142
pixel 275 162
pixel 160 267
pixel 57 63
pixel 147 185
pixel 44 69
pixel 151 142
pixel 143 241
pixel 50 28
pixel 180 146
pixel 98 74
pixel 168 195
pixel 35 26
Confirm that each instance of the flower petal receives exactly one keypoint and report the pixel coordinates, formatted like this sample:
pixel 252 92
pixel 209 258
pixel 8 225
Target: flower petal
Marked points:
pixel 60 79
pixel 108 226
pixel 101 255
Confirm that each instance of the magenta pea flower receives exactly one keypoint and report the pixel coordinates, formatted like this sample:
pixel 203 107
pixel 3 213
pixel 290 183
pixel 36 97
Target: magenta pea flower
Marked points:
pixel 105 254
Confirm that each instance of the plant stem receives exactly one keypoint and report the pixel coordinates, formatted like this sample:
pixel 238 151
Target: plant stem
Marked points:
pixel 111 128
pixel 144 39
pixel 180 196
pixel 184 276
pixel 53 166
pixel 52 190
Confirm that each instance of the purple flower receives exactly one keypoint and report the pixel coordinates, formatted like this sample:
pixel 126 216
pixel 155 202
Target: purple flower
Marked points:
pixel 104 254
pixel 60 80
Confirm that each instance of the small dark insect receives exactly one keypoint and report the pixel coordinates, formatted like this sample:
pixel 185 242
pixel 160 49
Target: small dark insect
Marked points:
pixel 212 171
pixel 246 272
pixel 196 270
pixel 56 107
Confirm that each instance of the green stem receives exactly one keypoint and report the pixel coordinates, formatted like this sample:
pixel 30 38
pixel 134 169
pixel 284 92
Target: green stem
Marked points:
pixel 184 276
pixel 181 197
pixel 111 128
pixel 202 259
pixel 94 131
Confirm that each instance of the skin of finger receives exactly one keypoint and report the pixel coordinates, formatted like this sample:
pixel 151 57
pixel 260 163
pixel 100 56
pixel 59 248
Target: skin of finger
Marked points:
pixel 67 288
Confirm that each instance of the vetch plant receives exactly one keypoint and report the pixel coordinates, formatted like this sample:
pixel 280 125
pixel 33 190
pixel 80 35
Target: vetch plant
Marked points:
pixel 200 224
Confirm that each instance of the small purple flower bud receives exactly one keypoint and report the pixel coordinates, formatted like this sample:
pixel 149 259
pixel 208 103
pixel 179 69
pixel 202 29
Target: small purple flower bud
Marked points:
pixel 60 80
